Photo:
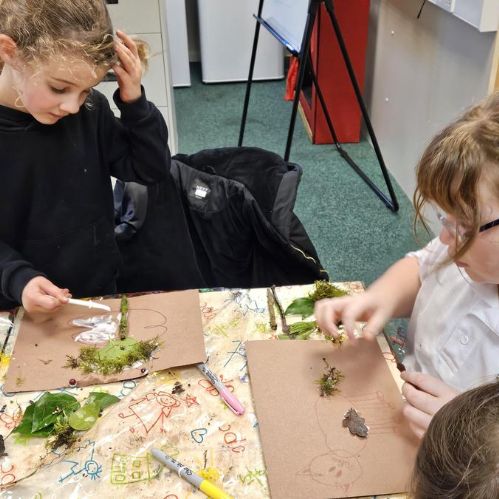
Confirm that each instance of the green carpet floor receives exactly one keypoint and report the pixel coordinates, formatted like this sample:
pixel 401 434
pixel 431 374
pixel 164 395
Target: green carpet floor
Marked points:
pixel 355 235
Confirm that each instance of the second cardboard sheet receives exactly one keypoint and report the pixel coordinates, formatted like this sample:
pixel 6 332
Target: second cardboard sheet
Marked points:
pixel 307 450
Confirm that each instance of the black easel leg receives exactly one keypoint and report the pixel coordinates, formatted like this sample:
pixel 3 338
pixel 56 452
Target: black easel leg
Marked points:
pixel 324 108
pixel 302 58
pixel 250 77
pixel 342 151
pixel 391 203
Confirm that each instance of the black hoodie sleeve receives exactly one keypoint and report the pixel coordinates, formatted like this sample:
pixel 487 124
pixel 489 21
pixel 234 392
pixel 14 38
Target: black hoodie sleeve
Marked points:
pixel 15 273
pixel 135 146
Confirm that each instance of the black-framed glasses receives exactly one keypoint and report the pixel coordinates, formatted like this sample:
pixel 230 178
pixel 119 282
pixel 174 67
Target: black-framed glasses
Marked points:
pixel 457 230
pixel 453 228
pixel 489 225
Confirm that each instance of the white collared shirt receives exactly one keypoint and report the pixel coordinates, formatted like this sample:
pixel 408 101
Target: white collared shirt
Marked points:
pixel 454 327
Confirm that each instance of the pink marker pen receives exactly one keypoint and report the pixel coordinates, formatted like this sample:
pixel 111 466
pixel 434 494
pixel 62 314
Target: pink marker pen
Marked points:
pixel 234 405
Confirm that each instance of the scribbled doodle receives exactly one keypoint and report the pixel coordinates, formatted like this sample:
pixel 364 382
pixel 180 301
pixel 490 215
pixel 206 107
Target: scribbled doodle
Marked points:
pixel 190 400
pixel 129 469
pixel 10 420
pixel 334 470
pixel 232 440
pixel 128 387
pixel 86 468
pixel 7 475
pixel 381 414
pixel 152 409
pixel 224 329
pixel 208 312
pixel 198 435
pixel 239 350
pixel 252 476
pixel 246 302
pixel 340 466
pixel 208 386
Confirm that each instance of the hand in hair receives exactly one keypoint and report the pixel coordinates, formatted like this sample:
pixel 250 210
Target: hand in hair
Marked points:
pixel 129 70
pixel 41 295
pixel 424 395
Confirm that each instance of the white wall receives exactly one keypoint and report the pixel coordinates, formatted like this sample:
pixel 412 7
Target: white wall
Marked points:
pixel 421 73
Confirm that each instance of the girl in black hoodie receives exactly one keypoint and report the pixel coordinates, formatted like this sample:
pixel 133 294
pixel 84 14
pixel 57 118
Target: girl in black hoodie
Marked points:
pixel 60 144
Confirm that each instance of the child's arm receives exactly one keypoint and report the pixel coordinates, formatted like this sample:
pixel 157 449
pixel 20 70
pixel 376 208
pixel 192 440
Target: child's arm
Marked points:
pixel 22 284
pixel 392 295
pixel 135 146
pixel 424 395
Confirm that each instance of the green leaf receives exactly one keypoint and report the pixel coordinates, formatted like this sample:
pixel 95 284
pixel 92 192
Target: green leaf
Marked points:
pixel 85 417
pixel 24 427
pixel 45 432
pixel 49 407
pixel 24 438
pixel 102 399
pixel 301 306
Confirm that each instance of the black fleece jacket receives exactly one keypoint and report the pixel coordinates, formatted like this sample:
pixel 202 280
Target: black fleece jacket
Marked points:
pixel 56 201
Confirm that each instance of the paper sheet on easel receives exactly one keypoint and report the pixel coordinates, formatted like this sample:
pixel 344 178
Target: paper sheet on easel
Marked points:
pixel 307 451
pixel 41 348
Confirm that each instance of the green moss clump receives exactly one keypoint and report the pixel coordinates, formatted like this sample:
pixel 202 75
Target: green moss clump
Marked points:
pixel 324 289
pixel 338 340
pixel 302 330
pixel 114 357
pixel 329 380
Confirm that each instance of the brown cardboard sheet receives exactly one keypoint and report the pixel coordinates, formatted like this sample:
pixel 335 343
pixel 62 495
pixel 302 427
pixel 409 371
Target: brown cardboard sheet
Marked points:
pixel 307 450
pixel 42 345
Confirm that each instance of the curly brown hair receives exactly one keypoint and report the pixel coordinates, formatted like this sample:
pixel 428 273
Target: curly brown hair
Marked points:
pixel 42 28
pixel 456 160
pixel 459 454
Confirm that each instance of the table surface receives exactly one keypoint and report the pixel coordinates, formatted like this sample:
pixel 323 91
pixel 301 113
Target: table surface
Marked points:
pixel 112 459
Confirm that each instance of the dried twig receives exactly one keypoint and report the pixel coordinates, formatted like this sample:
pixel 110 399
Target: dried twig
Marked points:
pixel 284 324
pixel 270 306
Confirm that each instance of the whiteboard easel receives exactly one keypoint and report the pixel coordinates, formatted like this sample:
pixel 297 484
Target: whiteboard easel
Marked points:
pixel 292 23
pixel 288 19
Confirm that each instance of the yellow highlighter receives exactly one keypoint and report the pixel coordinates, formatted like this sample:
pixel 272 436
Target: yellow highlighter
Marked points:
pixel 187 474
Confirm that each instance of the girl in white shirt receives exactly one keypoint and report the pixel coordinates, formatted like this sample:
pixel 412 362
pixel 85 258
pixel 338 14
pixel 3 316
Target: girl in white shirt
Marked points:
pixel 450 287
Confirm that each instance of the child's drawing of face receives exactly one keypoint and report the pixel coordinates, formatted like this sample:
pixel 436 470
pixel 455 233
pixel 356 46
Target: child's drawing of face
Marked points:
pixel 334 470
pixel 55 89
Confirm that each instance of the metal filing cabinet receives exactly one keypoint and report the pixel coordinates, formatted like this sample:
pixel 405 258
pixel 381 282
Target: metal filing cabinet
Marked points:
pixel 145 20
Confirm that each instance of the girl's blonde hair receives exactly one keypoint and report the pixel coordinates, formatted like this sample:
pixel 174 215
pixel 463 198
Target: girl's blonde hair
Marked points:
pixel 44 28
pixel 453 164
pixel 459 454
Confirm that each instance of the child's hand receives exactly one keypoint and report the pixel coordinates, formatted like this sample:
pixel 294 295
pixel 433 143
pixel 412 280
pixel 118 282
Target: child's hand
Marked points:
pixel 424 395
pixel 129 71
pixel 350 309
pixel 40 295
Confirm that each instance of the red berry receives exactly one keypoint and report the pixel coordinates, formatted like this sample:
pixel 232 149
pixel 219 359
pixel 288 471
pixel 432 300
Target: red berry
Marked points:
pixel 72 382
